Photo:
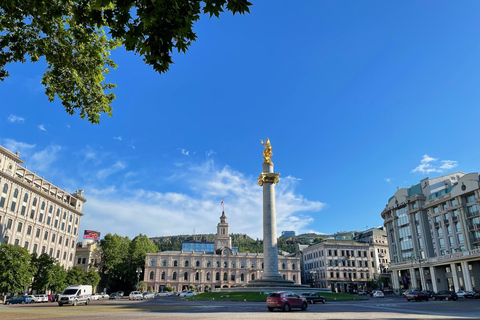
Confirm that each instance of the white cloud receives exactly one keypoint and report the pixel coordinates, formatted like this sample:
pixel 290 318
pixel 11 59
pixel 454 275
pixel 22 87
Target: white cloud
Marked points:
pixel 118 166
pixel 129 212
pixel 184 152
pixel 13 118
pixel 14 146
pixel 42 160
pixel 388 180
pixel 209 153
pixel 427 165
pixel 42 127
pixel 118 138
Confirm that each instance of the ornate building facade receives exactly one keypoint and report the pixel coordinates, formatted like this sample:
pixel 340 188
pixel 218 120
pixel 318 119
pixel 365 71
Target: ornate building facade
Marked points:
pixel 433 231
pixel 36 214
pixel 221 268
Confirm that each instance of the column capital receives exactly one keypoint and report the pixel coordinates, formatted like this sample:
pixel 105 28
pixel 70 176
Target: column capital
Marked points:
pixel 268 177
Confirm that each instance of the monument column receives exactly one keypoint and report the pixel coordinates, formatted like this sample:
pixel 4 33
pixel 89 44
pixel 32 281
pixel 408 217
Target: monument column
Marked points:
pixel 268 178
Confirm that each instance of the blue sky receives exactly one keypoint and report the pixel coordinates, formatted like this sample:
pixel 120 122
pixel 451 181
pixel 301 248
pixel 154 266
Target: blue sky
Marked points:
pixel 357 98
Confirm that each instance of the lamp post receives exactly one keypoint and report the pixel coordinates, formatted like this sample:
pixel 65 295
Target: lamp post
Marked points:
pixel 313 272
pixel 138 271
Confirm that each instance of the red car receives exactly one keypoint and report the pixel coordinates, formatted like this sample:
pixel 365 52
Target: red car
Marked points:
pixel 286 301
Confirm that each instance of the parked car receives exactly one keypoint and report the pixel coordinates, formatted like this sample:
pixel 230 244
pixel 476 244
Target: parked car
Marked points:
pixel 95 296
pixel 148 295
pixel 461 293
pixel 404 293
pixel 361 293
pixel 428 293
pixel 135 295
pixel 164 294
pixel 114 296
pixel 416 295
pixel 286 301
pixel 473 294
pixel 120 293
pixel 378 294
pixel 185 294
pixel 313 297
pixel 18 299
pixel 445 294
pixel 32 298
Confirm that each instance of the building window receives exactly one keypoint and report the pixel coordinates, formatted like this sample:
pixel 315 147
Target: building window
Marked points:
pixel 283 266
pixel 17 242
pixel 252 277
pixel 163 275
pixel 152 263
pixel 197 263
pixel 225 276
pixel 471 198
pixel 45 237
pixel 65 255
pixel 79 260
pixel 293 266
pixel 174 277
pixel 151 275
pixel 185 276
pixel 225 264
pixel 71 256
pixel 208 276
pixel 35 248
pixel 164 263
pixel 174 263
pixel 60 240
pixel 186 264
pixel 208 264
pixel 53 237
pixel 37 235
pixel 197 276
pixel 19 227
pixel 29 230
pixel 66 242
pixel 232 277
pixel 217 276
pixel 44 249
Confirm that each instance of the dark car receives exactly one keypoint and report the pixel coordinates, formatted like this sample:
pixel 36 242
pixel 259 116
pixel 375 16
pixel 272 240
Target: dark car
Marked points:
pixel 313 297
pixel 114 296
pixel 428 293
pixel 472 294
pixel 18 299
pixel 445 295
pixel 416 295
pixel 285 301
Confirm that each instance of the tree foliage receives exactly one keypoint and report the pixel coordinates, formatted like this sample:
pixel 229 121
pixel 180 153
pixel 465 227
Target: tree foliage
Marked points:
pixel 76 276
pixel 59 278
pixel 70 36
pixel 44 271
pixel 92 278
pixel 16 271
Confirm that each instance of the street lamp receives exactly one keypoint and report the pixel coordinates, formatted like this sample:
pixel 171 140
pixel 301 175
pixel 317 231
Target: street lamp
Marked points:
pixel 139 270
pixel 313 272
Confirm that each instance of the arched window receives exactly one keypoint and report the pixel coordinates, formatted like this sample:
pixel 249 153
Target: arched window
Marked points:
pixel 283 276
pixel 283 266
pixel 186 264
pixel 208 276
pixel 217 276
pixel 218 264
pixel 242 277
pixel 50 209
pixel 58 212
pixel 294 278
pixel 25 197
pixel 151 275
pixel 163 275
pixel 225 276
pixel 293 266
pixel 15 193
pixel 71 217
pixel 253 265
pixel 225 264
pixel 164 263
pixel 34 202
pixel 242 265
pixel 64 214
pixel 208 264
pixel 5 188
pixel 233 265
pixel 252 277
pixel 232 277
pixel 43 205
pixel 152 263
pixel 197 276
pixel 174 276
pixel 262 265
pixel 185 276
pixel 174 263
pixel 197 263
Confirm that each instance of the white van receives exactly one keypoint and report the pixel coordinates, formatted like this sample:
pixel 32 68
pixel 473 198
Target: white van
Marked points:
pixel 75 294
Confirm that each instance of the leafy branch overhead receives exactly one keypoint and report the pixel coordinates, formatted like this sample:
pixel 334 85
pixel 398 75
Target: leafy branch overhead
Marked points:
pixel 76 37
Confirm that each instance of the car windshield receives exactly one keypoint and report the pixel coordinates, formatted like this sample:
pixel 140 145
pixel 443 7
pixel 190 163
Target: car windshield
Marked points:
pixel 70 291
pixel 274 295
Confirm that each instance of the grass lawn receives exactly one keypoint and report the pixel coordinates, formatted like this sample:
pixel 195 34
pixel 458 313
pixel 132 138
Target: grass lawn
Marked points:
pixel 260 297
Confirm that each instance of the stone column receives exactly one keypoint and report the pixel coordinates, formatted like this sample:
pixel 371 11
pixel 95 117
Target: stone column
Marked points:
pixel 456 284
pixel 413 279
pixel 433 275
pixel 467 279
pixel 267 180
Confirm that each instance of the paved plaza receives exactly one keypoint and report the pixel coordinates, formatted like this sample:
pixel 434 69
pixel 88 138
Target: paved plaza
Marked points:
pixel 174 308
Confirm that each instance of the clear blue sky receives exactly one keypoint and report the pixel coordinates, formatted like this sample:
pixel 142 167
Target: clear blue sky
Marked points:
pixel 353 95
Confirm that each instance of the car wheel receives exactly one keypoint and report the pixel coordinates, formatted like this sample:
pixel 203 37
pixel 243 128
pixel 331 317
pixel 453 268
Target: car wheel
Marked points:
pixel 323 301
pixel 270 309
pixel 446 298
pixel 7 303
pixel 434 298
pixel 60 304
pixel 87 302
pixel 74 303
pixel 23 302
pixel 304 306
pixel 286 307
pixel 312 301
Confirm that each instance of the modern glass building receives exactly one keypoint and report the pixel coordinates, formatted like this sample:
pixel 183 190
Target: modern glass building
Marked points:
pixel 433 231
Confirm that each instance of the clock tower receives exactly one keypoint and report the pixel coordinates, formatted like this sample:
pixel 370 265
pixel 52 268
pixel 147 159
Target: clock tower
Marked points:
pixel 223 238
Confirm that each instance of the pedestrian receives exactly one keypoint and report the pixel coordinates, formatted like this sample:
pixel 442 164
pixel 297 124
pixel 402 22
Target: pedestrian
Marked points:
pixel 50 297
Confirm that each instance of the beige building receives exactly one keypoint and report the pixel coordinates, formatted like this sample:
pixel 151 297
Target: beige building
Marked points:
pixel 218 265
pixel 433 231
pixel 344 265
pixel 88 255
pixel 35 213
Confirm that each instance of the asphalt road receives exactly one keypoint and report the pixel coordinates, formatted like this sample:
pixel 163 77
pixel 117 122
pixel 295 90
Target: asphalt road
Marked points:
pixel 173 308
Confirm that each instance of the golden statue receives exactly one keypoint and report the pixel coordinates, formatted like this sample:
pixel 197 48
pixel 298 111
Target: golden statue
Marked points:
pixel 267 153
